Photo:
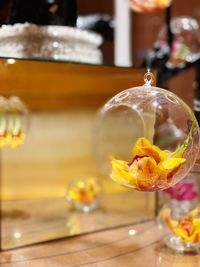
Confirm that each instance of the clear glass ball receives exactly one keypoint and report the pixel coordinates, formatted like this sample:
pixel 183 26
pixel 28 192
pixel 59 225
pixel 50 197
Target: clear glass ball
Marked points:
pixel 147 138
pixel 186 41
pixel 147 6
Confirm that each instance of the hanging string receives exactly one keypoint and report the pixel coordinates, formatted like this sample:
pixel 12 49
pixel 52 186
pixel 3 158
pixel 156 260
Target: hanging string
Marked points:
pixel 148 78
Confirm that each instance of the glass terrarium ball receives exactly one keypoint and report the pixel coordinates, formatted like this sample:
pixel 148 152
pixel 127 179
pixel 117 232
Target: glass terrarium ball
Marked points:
pixel 147 6
pixel 147 138
pixel 186 41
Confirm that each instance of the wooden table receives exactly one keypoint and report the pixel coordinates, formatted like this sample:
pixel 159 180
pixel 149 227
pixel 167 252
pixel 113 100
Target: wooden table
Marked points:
pixel 139 245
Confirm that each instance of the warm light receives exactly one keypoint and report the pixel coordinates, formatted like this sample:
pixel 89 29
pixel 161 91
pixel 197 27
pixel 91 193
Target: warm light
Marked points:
pixel 132 232
pixel 155 104
pixel 17 235
pixel 86 209
pixel 11 61
pixel 55 44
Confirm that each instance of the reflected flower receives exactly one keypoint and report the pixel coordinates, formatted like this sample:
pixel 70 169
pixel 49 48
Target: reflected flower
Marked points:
pixel 149 168
pixel 3 140
pixel 185 46
pixel 187 228
pixel 15 140
pixel 84 191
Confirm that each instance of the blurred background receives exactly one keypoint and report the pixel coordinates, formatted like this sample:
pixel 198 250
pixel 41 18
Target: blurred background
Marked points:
pixel 98 16
pixel 62 60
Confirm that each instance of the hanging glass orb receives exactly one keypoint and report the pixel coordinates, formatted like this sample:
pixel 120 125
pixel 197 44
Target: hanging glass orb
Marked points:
pixel 147 6
pixel 186 41
pixel 147 138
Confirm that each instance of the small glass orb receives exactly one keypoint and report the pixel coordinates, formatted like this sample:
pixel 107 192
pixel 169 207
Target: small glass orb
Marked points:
pixel 186 41
pixel 176 244
pixel 84 194
pixel 183 198
pixel 182 227
pixel 146 138
pixel 148 6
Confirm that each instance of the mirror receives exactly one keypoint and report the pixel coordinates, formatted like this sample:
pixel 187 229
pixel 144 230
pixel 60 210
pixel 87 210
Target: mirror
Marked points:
pixel 59 148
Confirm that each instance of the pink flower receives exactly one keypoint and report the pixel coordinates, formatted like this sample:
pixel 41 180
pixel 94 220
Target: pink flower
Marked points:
pixel 184 190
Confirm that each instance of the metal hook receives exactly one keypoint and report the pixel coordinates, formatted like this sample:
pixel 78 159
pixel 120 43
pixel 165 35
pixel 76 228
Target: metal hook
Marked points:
pixel 148 78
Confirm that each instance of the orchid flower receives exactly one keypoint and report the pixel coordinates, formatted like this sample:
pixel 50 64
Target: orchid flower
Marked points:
pixel 187 228
pixel 84 191
pixel 150 167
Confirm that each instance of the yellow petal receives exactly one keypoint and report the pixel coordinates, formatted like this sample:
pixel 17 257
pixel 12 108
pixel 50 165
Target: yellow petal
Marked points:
pixel 120 173
pixel 178 153
pixel 193 238
pixel 193 213
pixel 166 212
pixel 196 223
pixel 181 233
pixel 149 168
pixel 167 218
pixel 73 195
pixel 172 163
pixel 120 165
pixel 144 148
pixel 148 173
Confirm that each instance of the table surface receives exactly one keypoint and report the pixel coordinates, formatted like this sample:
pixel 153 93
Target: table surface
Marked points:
pixel 28 222
pixel 139 245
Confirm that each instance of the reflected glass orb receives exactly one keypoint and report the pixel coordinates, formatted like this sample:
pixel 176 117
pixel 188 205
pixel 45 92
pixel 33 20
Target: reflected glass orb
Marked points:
pixel 147 138
pixel 3 121
pixel 84 194
pixel 186 42
pixel 18 122
pixel 147 6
